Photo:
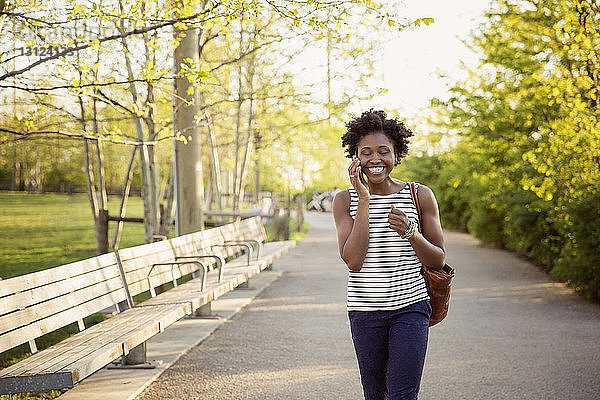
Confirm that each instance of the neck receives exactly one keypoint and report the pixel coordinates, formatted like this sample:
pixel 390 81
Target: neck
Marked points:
pixel 388 186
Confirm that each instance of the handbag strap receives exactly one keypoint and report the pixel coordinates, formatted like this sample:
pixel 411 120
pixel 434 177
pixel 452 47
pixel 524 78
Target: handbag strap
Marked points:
pixel 415 199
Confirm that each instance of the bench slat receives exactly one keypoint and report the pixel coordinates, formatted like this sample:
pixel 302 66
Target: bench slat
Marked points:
pixel 90 337
pixel 29 297
pixel 144 262
pixel 235 273
pixel 136 265
pixel 190 293
pixel 139 328
pixel 47 276
pixel 85 358
pixel 138 283
pixel 30 383
pixel 91 363
pixel 39 328
pixel 55 305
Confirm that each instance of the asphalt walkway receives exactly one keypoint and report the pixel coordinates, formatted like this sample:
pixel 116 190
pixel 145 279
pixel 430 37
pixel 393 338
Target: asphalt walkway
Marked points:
pixel 511 334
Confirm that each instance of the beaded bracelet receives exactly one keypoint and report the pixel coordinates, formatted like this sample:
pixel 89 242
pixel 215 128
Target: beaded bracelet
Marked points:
pixel 412 228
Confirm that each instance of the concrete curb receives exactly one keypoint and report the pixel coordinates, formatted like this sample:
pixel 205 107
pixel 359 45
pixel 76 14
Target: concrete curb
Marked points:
pixel 166 348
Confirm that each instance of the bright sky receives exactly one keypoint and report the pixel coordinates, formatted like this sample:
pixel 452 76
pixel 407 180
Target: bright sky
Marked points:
pixel 415 58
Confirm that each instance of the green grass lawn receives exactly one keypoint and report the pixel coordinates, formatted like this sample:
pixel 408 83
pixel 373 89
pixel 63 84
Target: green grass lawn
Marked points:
pixel 40 231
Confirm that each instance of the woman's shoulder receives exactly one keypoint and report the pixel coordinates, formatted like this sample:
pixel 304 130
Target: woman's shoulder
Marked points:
pixel 341 202
pixel 422 189
pixel 343 196
pixel 425 194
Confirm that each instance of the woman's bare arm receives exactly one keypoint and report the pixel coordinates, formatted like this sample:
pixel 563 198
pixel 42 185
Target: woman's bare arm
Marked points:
pixel 353 234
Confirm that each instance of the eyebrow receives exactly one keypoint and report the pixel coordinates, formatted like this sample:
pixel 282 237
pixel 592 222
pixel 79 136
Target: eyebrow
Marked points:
pixel 380 147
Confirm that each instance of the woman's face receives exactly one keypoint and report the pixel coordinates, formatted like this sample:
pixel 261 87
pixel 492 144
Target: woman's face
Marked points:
pixel 376 155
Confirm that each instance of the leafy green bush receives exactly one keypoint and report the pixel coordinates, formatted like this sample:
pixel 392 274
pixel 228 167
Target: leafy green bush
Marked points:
pixel 524 170
pixel 531 228
pixel 486 223
pixel 579 261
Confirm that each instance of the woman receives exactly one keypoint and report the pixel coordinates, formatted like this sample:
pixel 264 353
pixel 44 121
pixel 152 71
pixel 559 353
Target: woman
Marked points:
pixel 379 240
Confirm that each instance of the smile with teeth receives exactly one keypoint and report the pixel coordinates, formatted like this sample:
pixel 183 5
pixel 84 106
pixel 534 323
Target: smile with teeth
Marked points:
pixel 375 170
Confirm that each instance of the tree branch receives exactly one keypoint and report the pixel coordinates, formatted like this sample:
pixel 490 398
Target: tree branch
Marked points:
pixel 105 99
pixel 94 85
pixel 137 31
pixel 28 134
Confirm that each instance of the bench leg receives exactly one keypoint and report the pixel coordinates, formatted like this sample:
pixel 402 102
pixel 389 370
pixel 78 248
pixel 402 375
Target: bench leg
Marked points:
pixel 137 355
pixel 269 267
pixel 135 359
pixel 245 285
pixel 204 311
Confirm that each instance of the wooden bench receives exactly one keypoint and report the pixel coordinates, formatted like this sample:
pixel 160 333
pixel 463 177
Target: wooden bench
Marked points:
pixel 215 261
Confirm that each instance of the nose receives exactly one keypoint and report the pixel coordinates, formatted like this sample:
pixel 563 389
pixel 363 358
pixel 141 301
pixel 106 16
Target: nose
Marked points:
pixel 375 158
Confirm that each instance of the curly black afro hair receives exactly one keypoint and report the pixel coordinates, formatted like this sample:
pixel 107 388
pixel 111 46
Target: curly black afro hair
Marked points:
pixel 376 121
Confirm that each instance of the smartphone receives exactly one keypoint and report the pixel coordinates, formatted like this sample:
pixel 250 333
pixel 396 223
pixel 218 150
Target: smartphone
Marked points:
pixel 361 175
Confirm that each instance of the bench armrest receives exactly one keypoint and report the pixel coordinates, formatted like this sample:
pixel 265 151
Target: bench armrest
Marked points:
pixel 220 262
pixel 234 244
pixel 258 243
pixel 200 265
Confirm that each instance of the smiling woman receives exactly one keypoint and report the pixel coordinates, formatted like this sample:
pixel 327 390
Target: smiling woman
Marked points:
pixel 376 221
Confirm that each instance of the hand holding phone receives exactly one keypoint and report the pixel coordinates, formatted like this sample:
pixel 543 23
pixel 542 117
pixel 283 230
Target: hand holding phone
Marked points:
pixel 362 176
pixel 358 178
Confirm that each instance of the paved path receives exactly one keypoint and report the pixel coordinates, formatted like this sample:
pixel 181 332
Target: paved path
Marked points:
pixel 512 334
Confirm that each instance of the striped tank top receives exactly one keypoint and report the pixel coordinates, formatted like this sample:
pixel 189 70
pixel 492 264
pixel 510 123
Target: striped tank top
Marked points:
pixel 390 277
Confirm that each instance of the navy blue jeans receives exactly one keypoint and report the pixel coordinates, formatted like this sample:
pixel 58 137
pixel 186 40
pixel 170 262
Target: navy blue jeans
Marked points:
pixel 390 347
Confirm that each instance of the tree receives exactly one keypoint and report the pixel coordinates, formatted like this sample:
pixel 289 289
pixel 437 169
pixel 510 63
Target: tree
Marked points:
pixel 104 99
pixel 527 159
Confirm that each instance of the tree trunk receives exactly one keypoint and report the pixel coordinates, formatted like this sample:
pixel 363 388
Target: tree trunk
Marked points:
pixel 166 218
pixel 257 180
pixel 149 190
pixel 100 152
pixel 22 168
pixel 237 170
pixel 246 158
pixel 91 186
pixel 190 186
pixel 100 162
pixel 102 232
pixel 329 77
pixel 215 167
pixel 13 180
pixel 124 198
pixel 248 143
pixel 152 186
pixel 150 126
pixel 89 168
pixel 150 207
pixel 38 170
pixel 300 201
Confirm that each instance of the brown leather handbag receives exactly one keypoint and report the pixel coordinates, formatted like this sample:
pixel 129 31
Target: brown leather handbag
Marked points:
pixel 438 281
